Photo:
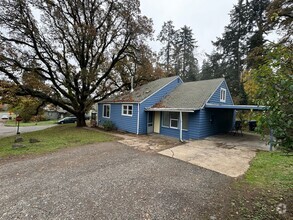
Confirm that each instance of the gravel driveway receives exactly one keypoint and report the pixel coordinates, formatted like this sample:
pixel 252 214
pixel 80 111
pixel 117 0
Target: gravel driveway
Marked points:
pixel 109 181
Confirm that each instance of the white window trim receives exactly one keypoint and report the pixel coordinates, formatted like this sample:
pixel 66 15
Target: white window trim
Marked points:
pixel 174 119
pixel 104 110
pixel 223 99
pixel 129 115
pixel 169 126
pixel 162 120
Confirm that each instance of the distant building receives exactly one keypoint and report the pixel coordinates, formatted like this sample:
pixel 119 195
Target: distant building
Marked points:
pixel 53 113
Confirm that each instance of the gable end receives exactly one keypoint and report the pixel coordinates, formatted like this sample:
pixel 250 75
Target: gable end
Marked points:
pixel 221 95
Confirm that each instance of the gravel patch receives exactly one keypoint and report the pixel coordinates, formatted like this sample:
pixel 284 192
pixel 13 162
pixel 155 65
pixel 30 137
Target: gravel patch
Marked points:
pixel 109 181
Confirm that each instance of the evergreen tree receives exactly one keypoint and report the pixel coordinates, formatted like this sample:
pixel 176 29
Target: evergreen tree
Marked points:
pixel 213 67
pixel 244 33
pixel 167 38
pixel 177 54
pixel 186 64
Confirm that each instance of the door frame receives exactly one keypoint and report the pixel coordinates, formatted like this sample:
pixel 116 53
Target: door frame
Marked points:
pixel 150 122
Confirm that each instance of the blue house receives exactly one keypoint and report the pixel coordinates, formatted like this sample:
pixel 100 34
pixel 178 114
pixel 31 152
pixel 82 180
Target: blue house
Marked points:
pixel 170 107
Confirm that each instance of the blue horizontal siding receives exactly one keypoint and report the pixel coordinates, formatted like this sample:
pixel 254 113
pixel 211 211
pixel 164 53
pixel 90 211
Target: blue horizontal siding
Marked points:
pixel 214 121
pixel 215 98
pixel 123 123
pixel 200 124
pixel 152 100
pixel 174 133
pixel 190 133
pixel 193 128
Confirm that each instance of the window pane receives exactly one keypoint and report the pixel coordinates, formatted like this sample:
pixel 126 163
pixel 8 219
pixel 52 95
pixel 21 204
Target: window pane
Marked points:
pixel 166 119
pixel 108 111
pixel 124 109
pixel 104 111
pixel 223 95
pixel 174 123
pixel 174 115
pixel 130 110
pixel 185 120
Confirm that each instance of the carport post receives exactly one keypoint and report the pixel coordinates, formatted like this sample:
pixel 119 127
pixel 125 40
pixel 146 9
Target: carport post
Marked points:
pixel 180 118
pixel 271 140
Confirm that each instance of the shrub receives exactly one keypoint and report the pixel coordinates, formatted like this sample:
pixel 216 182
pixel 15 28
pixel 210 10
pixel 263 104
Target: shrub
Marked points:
pixel 109 126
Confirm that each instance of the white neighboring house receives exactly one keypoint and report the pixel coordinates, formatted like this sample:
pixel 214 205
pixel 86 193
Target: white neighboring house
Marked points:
pixel 53 113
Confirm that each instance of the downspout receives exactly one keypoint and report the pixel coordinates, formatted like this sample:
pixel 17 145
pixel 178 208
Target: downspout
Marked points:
pixel 137 126
pixel 180 118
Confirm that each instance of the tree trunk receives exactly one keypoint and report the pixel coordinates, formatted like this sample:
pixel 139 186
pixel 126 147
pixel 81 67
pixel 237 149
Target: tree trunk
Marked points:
pixel 80 122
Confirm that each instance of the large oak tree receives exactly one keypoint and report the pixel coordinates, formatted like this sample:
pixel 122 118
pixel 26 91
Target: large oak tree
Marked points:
pixel 72 46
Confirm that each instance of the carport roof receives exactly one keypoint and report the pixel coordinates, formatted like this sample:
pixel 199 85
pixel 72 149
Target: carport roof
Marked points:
pixel 237 107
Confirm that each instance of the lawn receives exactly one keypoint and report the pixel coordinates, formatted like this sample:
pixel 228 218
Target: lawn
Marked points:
pixel 266 190
pixel 12 123
pixel 271 170
pixel 52 139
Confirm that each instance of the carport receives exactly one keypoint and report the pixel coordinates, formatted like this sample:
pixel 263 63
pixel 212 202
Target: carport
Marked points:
pixel 240 107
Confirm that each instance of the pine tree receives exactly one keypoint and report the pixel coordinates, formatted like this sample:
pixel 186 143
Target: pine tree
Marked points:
pixel 186 64
pixel 244 33
pixel 167 38
pixel 177 55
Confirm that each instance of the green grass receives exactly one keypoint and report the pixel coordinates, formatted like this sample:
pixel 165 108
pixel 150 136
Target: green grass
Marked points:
pixel 271 170
pixel 267 184
pixel 12 123
pixel 52 139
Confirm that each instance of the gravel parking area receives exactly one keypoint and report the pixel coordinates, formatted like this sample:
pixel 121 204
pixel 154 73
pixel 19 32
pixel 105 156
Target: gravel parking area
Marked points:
pixel 109 181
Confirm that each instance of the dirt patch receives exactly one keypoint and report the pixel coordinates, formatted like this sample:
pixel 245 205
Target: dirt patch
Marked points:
pixel 247 202
pixel 149 143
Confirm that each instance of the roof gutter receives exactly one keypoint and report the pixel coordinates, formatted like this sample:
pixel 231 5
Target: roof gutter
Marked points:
pixel 237 107
pixel 170 109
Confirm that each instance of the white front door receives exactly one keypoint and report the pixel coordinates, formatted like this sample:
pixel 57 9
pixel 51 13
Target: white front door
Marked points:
pixel 157 121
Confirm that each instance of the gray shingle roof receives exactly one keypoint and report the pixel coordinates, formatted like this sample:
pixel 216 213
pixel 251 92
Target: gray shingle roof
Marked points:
pixel 191 95
pixel 142 92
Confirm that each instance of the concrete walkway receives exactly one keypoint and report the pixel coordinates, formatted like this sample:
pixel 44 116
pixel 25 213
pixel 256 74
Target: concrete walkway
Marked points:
pixel 226 154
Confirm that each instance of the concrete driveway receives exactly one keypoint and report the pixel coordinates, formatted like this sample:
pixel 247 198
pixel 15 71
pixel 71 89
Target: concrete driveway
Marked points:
pixel 226 154
pixel 110 181
pixel 10 131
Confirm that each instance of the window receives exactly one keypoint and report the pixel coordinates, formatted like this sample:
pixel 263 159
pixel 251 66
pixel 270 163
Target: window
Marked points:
pixel 166 120
pixel 127 110
pixel 174 118
pixel 171 120
pixel 106 111
pixel 223 95
pixel 184 120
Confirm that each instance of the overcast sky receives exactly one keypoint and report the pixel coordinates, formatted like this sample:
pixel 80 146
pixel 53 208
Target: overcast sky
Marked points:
pixel 207 18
